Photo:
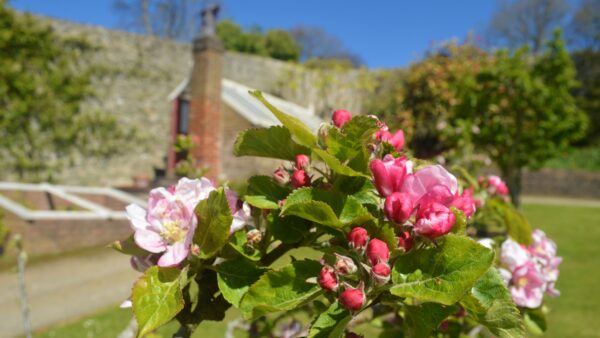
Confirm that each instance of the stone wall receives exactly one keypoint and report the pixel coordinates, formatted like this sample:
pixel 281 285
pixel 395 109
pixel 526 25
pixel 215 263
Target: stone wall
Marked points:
pixel 139 72
pixel 553 182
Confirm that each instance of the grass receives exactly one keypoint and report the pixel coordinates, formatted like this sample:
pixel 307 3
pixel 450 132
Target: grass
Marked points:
pixel 574 314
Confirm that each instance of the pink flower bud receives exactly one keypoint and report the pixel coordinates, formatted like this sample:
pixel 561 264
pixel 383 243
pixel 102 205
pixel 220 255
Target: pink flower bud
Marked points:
pixel 444 326
pixel 398 207
pixel 497 186
pixel 281 203
pixel 344 265
pixel 340 117
pixel 396 139
pixel 358 238
pixel 381 273
pixel 377 251
pixel 390 173
pixel 465 202
pixel 352 299
pixel 405 241
pixel 281 176
pixel 327 279
pixel 302 162
pixel 300 179
pixel 434 220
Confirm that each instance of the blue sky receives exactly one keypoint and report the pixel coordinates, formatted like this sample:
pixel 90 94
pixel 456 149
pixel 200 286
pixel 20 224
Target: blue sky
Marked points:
pixel 386 33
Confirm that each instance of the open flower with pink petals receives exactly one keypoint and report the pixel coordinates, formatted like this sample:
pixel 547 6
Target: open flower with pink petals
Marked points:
pixel 168 226
pixel 527 285
pixel 433 182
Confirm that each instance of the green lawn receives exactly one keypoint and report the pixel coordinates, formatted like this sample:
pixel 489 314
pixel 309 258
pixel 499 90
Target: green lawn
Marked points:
pixel 575 314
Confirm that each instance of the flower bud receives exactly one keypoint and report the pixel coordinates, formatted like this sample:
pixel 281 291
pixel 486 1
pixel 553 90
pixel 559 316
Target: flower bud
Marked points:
pixel 389 174
pixel 302 162
pixel 253 236
pixel 353 335
pixel 398 207
pixel 405 241
pixel 434 220
pixel 344 265
pixel 377 251
pixel 381 273
pixel 358 238
pixel 352 299
pixel 281 176
pixel 327 279
pixel 300 179
pixel 340 117
pixel 465 202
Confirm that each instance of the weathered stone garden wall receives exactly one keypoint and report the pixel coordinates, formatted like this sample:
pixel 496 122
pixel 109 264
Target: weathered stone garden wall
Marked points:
pixel 139 72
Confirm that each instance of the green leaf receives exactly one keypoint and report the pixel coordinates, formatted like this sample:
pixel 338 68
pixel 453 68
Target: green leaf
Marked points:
pixel 352 139
pixel 460 226
pixel 441 274
pixel 503 214
pixel 535 321
pixel 302 133
pixel 237 246
pixel 273 142
pixel 336 165
pixel 491 305
pixel 128 247
pixel 289 229
pixel 214 221
pixel 330 208
pixel 264 193
pixel 235 278
pixel 281 290
pixel 331 323
pixel 156 298
pixel 421 320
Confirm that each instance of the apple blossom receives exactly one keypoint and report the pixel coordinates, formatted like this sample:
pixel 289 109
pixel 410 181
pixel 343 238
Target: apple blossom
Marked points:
pixel 398 207
pixel 327 279
pixel 513 254
pixel 433 220
pixel 527 285
pixel 358 238
pixel 433 181
pixel 281 176
pixel 389 173
pixel 465 202
pixel 396 139
pixel 381 273
pixel 302 162
pixel 300 179
pixel 344 265
pixel 340 117
pixel 377 251
pixel 497 186
pixel 352 299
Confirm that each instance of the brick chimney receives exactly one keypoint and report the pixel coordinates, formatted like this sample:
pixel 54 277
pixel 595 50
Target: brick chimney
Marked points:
pixel 205 120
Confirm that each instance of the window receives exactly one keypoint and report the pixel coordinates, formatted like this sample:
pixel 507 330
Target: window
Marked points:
pixel 183 114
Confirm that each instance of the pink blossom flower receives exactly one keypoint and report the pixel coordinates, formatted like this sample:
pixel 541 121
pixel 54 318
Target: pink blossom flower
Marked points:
pixel 527 285
pixel 398 207
pixel 381 273
pixel 377 251
pixel 433 220
pixel 542 247
pixel 302 161
pixel 497 186
pixel 240 211
pixel 389 174
pixel 281 176
pixel 433 181
pixel 352 299
pixel 396 139
pixel 300 179
pixel 168 226
pixel 406 241
pixel 358 238
pixel 340 117
pixel 465 202
pixel 513 254
pixel 344 265
pixel 327 279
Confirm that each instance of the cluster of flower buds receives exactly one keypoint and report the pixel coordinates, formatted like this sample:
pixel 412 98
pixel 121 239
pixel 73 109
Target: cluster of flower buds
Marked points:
pixel 494 185
pixel 372 269
pixel 420 199
pixel 297 176
pixel 530 271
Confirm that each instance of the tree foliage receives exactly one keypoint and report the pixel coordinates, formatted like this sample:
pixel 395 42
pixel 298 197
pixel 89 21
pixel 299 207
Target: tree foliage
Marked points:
pixel 42 86
pixel 275 43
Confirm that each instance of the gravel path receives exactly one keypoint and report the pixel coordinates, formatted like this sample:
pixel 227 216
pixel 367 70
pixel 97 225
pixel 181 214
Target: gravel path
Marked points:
pixel 65 288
